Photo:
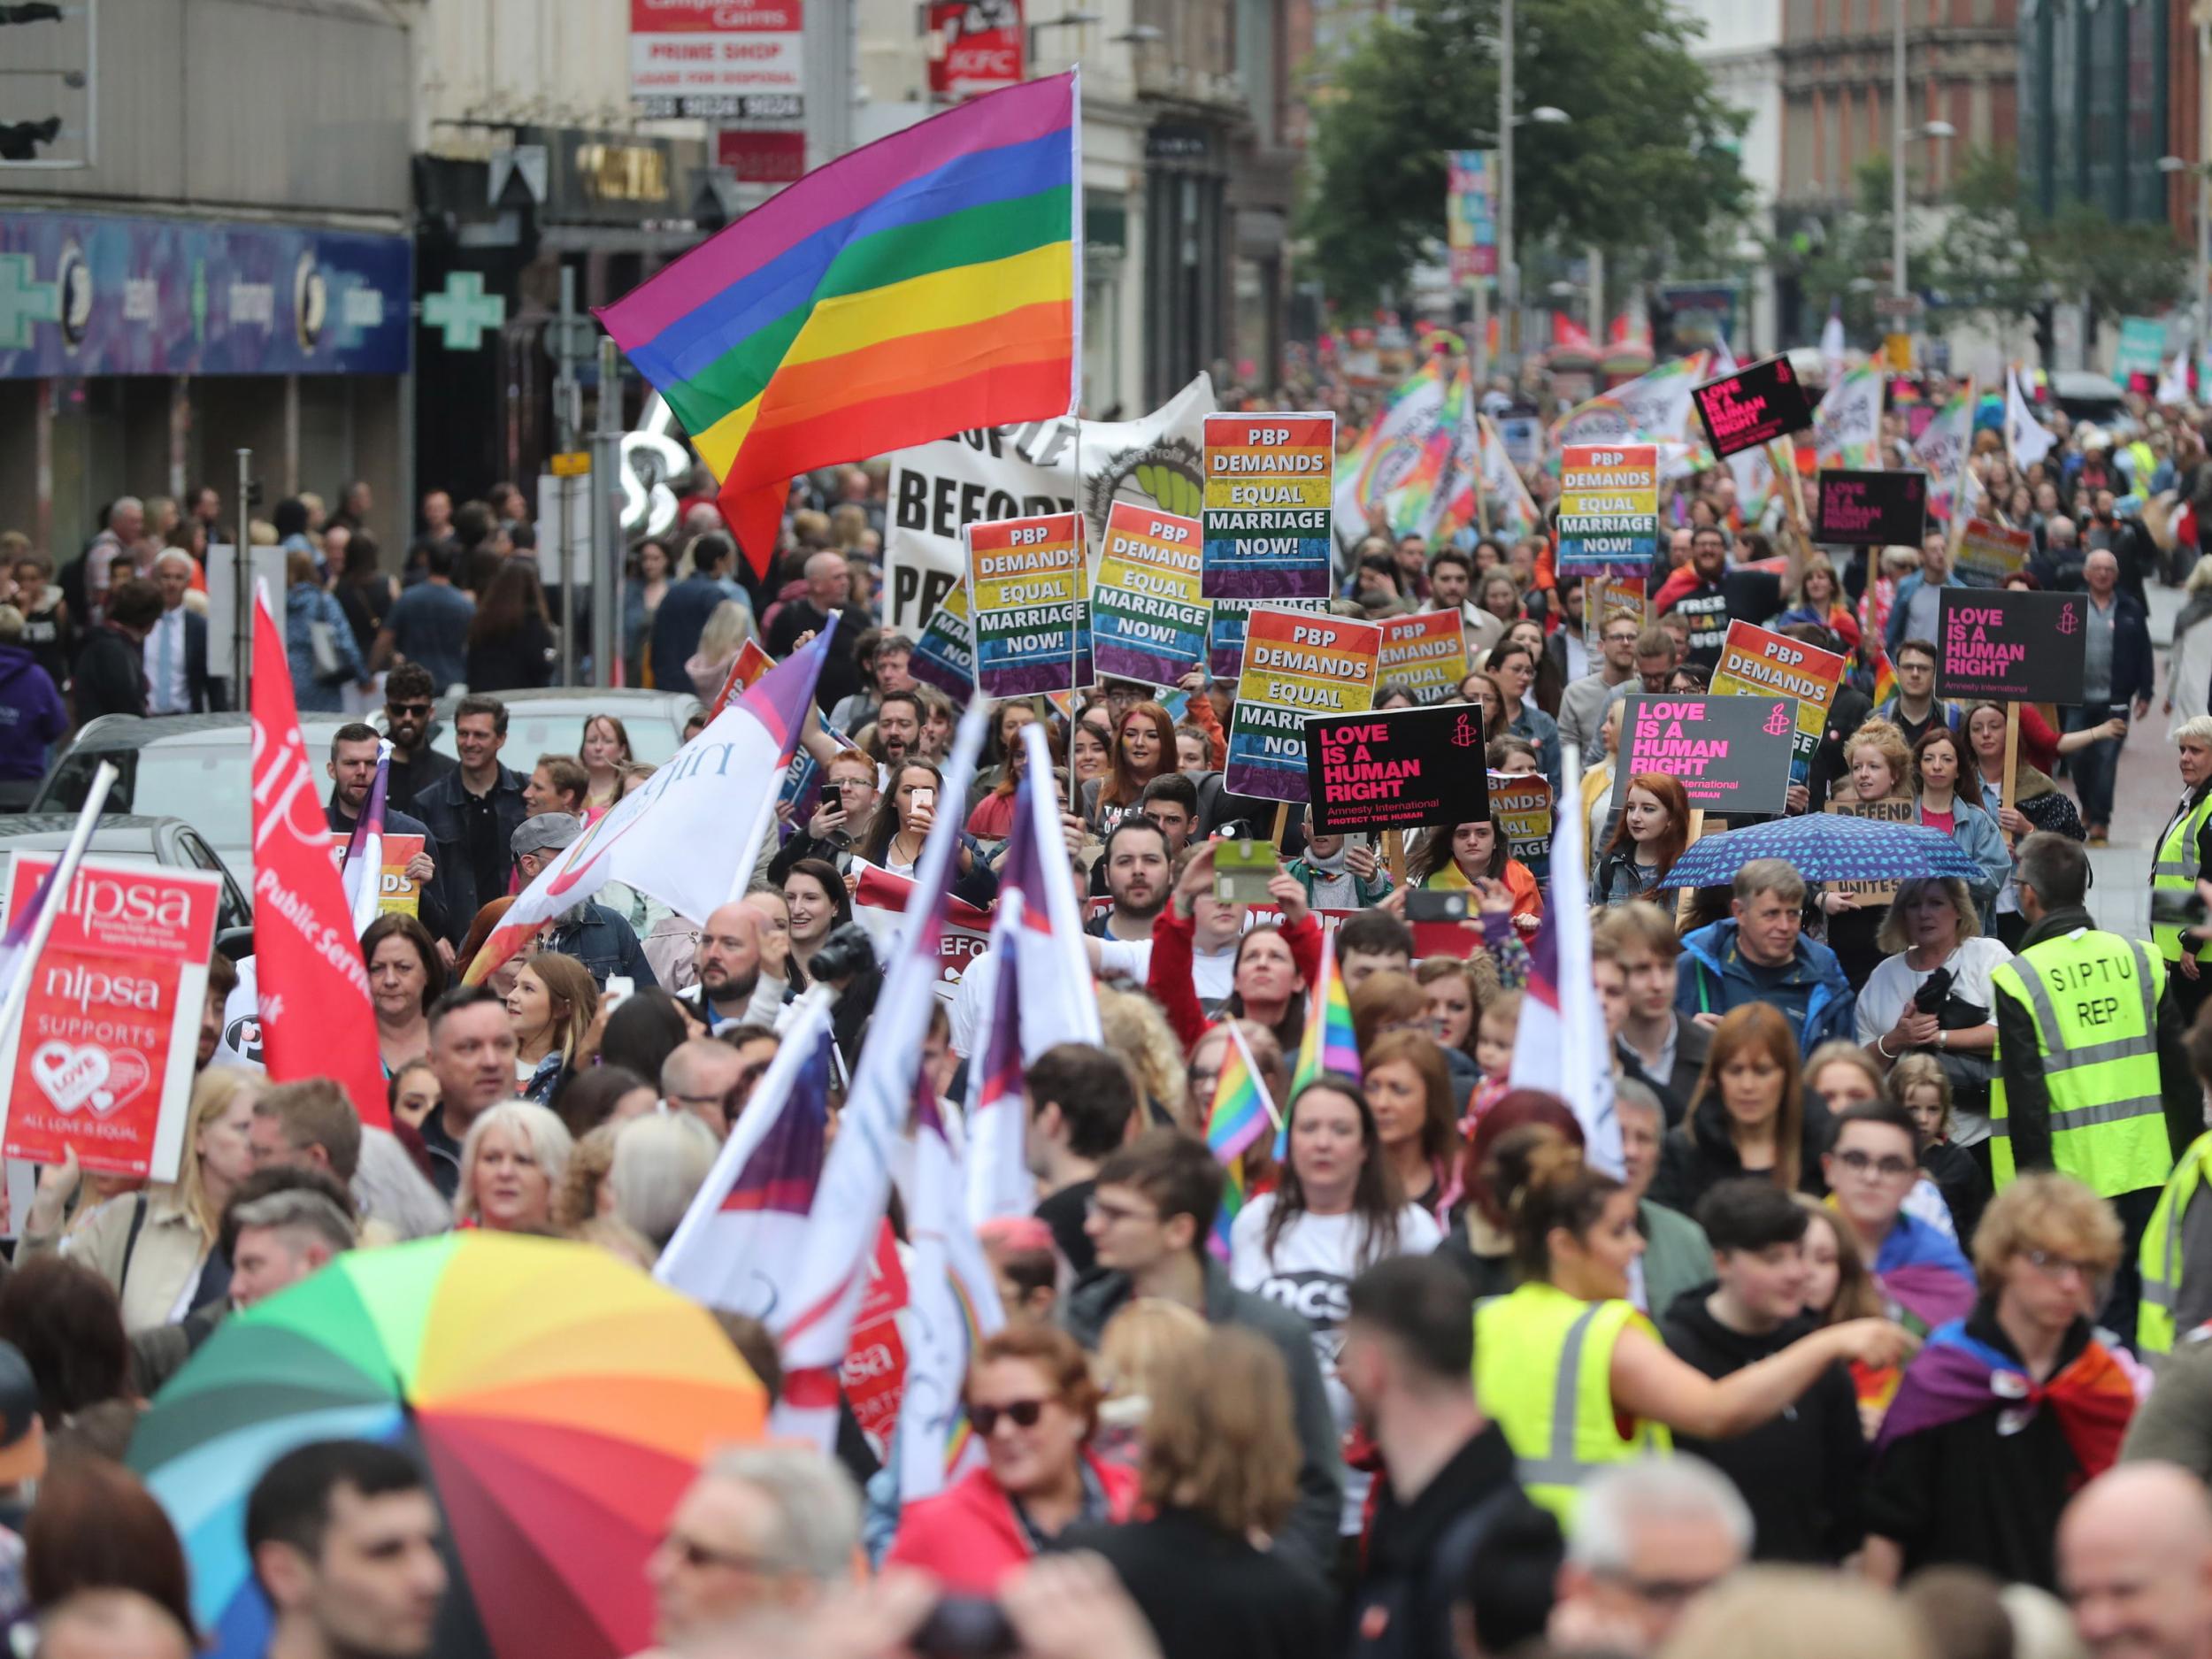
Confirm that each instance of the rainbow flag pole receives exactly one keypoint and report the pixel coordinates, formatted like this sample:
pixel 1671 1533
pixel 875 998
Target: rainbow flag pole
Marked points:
pixel 1240 1114
pixel 1328 1044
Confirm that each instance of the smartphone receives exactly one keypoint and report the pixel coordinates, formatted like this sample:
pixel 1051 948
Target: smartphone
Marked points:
pixel 617 986
pixel 925 801
pixel 1242 869
pixel 1424 905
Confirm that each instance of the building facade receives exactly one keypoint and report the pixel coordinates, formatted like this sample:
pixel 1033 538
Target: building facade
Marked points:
pixel 204 249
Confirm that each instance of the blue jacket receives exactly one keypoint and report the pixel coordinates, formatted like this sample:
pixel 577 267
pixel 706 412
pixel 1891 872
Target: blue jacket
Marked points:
pixel 1894 635
pixel 305 604
pixel 1813 993
pixel 30 715
pixel 604 943
pixel 1976 832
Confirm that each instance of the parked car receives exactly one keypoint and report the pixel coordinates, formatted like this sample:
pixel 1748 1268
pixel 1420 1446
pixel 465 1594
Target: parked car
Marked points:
pixel 135 838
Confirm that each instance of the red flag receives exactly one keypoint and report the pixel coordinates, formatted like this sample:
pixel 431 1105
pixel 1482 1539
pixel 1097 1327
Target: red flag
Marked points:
pixel 316 1017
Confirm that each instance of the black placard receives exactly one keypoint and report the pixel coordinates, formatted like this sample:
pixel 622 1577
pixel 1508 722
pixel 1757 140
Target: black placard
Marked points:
pixel 1403 769
pixel 2011 645
pixel 1857 509
pixel 1758 403
pixel 1731 755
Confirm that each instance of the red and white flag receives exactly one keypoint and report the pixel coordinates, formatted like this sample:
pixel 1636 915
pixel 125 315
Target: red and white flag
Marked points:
pixel 740 1243
pixel 316 1017
pixel 1043 991
pixel 813 1324
pixel 691 835
pixel 880 904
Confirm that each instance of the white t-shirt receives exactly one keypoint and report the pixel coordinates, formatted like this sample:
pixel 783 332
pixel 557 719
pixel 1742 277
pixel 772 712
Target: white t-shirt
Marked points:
pixel 1310 1272
pixel 1890 988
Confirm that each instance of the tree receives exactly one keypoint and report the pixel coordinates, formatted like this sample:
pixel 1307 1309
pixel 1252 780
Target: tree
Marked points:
pixel 1989 260
pixel 1641 169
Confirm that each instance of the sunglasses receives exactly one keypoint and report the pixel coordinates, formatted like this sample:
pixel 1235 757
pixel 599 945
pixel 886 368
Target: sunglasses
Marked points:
pixel 407 708
pixel 1024 1414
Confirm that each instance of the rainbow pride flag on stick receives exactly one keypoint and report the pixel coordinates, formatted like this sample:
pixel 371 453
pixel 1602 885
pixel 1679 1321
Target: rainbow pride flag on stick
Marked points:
pixel 925 284
pixel 1328 1044
pixel 1240 1114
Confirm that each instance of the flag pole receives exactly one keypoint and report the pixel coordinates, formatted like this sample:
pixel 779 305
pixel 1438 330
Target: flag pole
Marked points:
pixel 65 872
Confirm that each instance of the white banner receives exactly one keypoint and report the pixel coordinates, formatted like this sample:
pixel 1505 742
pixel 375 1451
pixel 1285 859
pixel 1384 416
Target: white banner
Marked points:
pixel 1016 472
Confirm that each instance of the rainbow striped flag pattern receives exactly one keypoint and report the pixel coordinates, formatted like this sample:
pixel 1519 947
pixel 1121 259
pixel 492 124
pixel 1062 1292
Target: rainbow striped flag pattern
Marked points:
pixel 1240 1114
pixel 924 284
pixel 1885 679
pixel 1328 1044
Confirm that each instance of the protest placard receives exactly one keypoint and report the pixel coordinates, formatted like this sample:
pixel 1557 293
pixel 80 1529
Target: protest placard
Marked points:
pixel 1731 755
pixel 1988 553
pixel 1426 652
pixel 1895 810
pixel 944 656
pixel 102 1058
pixel 1296 665
pixel 1522 802
pixel 1606 597
pixel 1225 638
pixel 1401 769
pixel 1608 507
pixel 1855 509
pixel 1027 581
pixel 1147 621
pixel 1267 518
pixel 395 892
pixel 1758 403
pixel 1752 661
pixel 2011 645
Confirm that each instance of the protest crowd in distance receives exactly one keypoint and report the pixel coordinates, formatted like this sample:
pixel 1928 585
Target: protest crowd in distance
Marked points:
pixel 1435 1022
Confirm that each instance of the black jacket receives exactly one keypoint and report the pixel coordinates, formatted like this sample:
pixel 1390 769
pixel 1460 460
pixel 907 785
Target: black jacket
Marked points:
pixel 110 677
pixel 1208 1594
pixel 439 806
pixel 1691 1043
pixel 518 660
pixel 2020 1062
pixel 1699 1153
pixel 840 675
pixel 1801 1472
pixel 2134 666
pixel 1418 1553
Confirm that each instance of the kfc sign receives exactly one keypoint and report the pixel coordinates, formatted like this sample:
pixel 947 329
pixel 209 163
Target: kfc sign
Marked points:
pixel 975 46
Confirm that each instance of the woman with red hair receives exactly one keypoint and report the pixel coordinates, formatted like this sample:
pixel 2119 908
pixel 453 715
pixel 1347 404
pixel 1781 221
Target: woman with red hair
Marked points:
pixel 1144 748
pixel 1480 1243
pixel 1654 830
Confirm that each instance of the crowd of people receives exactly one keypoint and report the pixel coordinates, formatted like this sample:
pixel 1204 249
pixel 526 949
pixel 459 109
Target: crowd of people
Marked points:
pixel 1887 1335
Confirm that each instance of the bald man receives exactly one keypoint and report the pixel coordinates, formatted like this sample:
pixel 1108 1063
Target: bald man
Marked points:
pixel 111 1625
pixel 829 586
pixel 701 1077
pixel 2135 1564
pixel 730 989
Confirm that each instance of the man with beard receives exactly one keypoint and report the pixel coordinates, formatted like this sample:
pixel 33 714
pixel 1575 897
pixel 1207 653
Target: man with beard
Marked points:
pixel 1710 595
pixel 353 753
pixel 601 939
pixel 727 961
pixel 898 731
pixel 408 698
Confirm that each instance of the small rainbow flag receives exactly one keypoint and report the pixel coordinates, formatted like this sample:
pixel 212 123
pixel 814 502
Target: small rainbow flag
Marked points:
pixel 924 284
pixel 1241 1113
pixel 1328 1044
pixel 1885 679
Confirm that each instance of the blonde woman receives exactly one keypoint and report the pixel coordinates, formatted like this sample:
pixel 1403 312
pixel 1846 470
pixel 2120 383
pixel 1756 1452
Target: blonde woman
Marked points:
pixel 1135 1344
pixel 727 629
pixel 152 1245
pixel 1134 1029
pixel 551 1007
pixel 511 1164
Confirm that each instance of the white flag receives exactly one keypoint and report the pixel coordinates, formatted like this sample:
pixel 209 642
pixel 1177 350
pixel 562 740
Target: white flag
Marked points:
pixel 1847 425
pixel 2028 439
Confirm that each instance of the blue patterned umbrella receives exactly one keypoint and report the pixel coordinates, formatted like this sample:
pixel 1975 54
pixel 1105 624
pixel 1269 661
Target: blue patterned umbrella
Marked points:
pixel 1825 847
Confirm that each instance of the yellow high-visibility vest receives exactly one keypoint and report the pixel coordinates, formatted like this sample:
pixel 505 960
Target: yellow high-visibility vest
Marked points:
pixel 2174 867
pixel 2093 997
pixel 1543 1364
pixel 2160 1257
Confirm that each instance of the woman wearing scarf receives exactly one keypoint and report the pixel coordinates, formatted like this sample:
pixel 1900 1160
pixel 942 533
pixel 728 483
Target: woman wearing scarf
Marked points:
pixel 2007 1413
pixel 1340 874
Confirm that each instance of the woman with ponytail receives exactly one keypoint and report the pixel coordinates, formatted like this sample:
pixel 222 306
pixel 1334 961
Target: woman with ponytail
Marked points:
pixel 1568 1347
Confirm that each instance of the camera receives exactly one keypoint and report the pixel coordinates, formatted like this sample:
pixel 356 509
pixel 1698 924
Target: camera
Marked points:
pixel 847 952
pixel 964 1627
pixel 2176 907
pixel 1424 904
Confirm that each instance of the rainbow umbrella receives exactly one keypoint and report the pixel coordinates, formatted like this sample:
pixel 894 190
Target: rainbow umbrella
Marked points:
pixel 559 1400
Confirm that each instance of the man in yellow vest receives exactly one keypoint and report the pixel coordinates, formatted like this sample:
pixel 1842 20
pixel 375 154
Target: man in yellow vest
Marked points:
pixel 2175 1258
pixel 2091 1080
pixel 2180 865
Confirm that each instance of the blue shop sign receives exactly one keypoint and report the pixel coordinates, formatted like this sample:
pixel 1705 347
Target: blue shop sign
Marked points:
pixel 85 294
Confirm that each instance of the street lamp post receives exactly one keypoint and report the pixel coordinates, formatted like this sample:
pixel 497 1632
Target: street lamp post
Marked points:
pixel 1508 270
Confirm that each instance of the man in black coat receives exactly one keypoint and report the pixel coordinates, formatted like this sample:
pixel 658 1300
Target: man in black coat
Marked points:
pixel 685 608
pixel 473 813
pixel 110 672
pixel 1799 1472
pixel 1449 1486
pixel 829 586
pixel 175 649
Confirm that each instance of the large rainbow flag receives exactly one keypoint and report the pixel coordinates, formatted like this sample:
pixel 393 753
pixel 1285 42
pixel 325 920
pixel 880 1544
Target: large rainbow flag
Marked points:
pixel 924 284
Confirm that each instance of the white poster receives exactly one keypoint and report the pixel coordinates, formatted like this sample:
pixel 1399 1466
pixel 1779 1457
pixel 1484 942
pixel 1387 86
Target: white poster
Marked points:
pixel 1016 472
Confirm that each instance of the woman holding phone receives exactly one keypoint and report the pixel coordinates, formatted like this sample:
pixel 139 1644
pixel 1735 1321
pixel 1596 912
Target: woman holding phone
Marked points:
pixel 894 840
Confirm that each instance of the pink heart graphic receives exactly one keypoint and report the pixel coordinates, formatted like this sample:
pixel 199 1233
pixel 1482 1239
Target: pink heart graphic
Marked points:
pixel 100 1078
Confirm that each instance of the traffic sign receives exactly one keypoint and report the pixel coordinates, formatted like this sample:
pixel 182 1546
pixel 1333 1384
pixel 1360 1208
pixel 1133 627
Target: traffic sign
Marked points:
pixel 1899 305
pixel 571 339
pixel 569 463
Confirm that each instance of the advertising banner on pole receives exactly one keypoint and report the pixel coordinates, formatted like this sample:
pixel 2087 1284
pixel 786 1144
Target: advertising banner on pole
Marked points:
pixel 1469 214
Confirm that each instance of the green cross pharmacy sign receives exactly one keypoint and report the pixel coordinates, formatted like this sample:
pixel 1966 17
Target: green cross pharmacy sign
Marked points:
pixel 461 311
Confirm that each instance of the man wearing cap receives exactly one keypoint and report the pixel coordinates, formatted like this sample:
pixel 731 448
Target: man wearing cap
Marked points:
pixel 599 938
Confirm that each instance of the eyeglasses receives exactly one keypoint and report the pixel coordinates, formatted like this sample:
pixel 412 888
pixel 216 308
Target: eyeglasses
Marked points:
pixel 699 1558
pixel 1663 1592
pixel 1024 1414
pixel 2052 1265
pixel 1866 1164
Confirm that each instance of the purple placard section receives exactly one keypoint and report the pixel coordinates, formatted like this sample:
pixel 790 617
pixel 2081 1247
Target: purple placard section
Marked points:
pixel 2012 645
pixel 1870 508
pixel 1758 403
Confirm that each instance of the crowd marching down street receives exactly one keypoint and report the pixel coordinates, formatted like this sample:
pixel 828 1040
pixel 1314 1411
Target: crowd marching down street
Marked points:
pixel 1462 1024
